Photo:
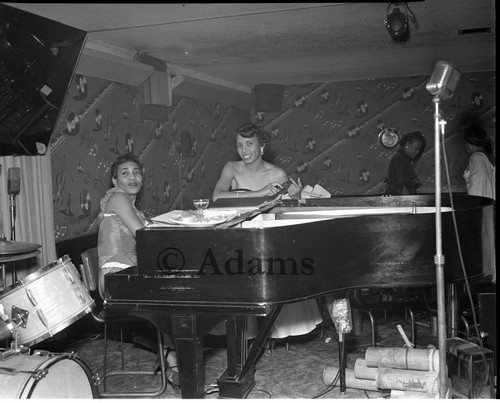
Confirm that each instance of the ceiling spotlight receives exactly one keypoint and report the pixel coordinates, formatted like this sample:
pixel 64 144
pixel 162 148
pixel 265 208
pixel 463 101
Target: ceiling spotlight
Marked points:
pixel 397 22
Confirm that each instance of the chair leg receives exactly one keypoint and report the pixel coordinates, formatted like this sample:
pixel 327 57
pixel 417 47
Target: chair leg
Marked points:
pixel 467 327
pixel 163 373
pixel 321 331
pixel 413 330
pixel 372 323
pixel 105 355
pixel 121 347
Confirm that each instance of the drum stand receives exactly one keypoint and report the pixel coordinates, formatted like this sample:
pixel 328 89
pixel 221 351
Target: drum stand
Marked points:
pixel 15 347
pixel 11 251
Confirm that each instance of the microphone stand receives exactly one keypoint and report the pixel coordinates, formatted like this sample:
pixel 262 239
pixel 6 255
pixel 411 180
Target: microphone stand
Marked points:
pixel 13 230
pixel 439 257
pixel 12 216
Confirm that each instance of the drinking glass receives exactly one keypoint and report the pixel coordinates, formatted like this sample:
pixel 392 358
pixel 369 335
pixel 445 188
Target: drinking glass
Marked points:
pixel 200 204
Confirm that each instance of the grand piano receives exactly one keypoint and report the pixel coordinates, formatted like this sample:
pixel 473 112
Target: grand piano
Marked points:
pixel 189 279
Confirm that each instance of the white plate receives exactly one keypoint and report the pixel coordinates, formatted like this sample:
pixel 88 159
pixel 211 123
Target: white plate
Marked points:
pixel 213 217
pixel 190 221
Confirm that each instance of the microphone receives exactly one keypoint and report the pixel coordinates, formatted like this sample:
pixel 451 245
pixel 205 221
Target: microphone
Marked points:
pixel 444 80
pixel 14 181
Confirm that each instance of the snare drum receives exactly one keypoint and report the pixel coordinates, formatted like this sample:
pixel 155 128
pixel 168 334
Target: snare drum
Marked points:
pixel 47 301
pixel 45 377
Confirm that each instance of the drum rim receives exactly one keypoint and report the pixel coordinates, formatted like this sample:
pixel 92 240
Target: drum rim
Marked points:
pixel 37 274
pixel 51 360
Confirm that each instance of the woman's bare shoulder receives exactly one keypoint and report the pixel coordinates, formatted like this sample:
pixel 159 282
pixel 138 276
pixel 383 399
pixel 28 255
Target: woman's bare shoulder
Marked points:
pixel 275 171
pixel 233 166
pixel 118 199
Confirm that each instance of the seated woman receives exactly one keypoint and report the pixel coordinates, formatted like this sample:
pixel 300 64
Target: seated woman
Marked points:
pixel 252 174
pixel 120 219
pixel 262 178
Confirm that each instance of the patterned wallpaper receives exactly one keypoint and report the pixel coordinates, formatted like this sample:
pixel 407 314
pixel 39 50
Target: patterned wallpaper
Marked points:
pixel 325 133
pixel 100 120
pixel 328 133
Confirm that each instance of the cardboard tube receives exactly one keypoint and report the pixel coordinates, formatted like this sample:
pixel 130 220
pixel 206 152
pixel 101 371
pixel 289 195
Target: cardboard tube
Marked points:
pixel 329 374
pixel 362 371
pixel 405 394
pixel 403 358
pixel 407 379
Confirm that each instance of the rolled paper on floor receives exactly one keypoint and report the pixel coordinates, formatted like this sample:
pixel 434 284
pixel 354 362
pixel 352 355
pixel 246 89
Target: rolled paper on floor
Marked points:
pixel 362 371
pixel 329 374
pixel 407 379
pixel 403 358
pixel 408 394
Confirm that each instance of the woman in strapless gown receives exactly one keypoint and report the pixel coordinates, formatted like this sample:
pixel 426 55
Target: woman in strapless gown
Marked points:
pixel 260 178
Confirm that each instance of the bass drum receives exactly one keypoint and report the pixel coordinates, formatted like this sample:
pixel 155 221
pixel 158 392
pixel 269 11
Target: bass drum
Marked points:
pixel 45 377
pixel 46 302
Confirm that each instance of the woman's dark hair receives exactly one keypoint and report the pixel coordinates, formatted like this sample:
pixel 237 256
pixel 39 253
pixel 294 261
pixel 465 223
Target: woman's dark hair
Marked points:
pixel 121 159
pixel 477 136
pixel 249 130
pixel 410 138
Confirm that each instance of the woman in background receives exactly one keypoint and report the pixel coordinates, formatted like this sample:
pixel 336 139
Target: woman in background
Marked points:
pixel 260 178
pixel 402 179
pixel 480 179
pixel 120 219
pixel 480 173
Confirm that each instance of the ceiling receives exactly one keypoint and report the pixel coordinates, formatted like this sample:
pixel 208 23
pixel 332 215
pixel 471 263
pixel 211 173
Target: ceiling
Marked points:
pixel 295 43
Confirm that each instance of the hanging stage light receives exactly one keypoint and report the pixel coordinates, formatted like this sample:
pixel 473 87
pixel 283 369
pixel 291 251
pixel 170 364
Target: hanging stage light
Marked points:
pixel 397 25
pixel 397 22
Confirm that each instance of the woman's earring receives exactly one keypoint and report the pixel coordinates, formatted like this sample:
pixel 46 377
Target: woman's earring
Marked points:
pixel 262 151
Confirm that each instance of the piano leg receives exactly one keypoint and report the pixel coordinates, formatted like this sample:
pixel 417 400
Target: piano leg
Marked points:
pixel 238 379
pixel 188 331
pixel 233 384
pixel 190 357
pixel 236 345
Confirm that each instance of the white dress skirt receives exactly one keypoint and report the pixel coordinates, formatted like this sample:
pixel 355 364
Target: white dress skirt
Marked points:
pixel 295 319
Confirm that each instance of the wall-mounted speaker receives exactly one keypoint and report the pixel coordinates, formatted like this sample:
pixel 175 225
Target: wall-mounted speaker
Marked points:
pixel 156 91
pixel 268 97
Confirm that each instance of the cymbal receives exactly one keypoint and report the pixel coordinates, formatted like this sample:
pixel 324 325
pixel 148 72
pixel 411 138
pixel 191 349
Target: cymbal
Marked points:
pixel 13 258
pixel 17 247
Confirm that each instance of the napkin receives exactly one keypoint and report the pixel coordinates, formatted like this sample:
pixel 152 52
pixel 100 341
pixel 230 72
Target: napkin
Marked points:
pixel 316 192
